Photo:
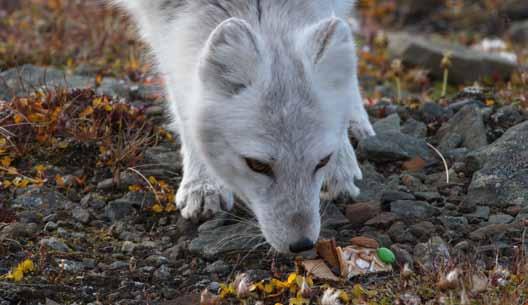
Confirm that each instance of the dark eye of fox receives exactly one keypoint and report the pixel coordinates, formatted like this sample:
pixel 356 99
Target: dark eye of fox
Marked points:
pixel 259 167
pixel 323 163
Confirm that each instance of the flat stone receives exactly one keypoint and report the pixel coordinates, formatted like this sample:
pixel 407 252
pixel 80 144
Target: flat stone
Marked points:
pixel 393 146
pixel 413 209
pixel 359 213
pixel 500 219
pixel 81 215
pixel 468 65
pixel 481 213
pixel 414 128
pixel 492 231
pixel 390 196
pixel 468 126
pixel 331 216
pixel 457 223
pixel 55 244
pixel 383 220
pixel 501 170
pixel 389 123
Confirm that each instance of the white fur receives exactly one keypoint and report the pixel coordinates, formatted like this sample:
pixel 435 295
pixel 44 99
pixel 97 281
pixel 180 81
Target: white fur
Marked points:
pixel 269 80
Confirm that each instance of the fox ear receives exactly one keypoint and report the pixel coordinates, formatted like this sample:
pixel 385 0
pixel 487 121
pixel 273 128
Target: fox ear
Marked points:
pixel 329 46
pixel 232 53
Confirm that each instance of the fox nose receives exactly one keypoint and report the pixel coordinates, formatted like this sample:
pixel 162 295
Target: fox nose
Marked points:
pixel 302 245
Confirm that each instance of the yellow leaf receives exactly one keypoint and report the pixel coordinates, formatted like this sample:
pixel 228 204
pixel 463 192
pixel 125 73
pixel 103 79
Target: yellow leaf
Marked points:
pixel 299 301
pixel 6 183
pixel 59 180
pixel 153 180
pixel 490 102
pixel 344 297
pixel 6 161
pixel 291 278
pixel 157 208
pixel 17 273
pixel 18 119
pixel 86 112
pixel 135 188
pixel 171 207
pixel 97 102
pixel 108 108
pixel 12 171
pixel 40 168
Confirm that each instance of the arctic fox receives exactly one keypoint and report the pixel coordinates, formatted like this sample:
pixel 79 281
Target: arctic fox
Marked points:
pixel 262 94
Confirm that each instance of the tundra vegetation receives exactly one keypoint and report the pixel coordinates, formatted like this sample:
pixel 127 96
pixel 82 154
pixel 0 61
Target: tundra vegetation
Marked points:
pixel 88 170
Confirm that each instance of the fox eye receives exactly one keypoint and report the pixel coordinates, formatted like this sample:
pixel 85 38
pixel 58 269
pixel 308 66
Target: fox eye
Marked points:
pixel 323 163
pixel 259 167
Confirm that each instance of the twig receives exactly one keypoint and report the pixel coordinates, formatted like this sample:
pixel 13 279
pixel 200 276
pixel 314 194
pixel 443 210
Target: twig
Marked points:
pixel 147 181
pixel 446 167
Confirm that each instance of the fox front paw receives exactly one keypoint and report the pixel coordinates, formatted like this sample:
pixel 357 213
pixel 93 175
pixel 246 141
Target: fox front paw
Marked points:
pixel 342 183
pixel 362 129
pixel 201 200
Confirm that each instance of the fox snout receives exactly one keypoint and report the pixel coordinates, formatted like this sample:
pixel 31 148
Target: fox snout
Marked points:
pixel 290 231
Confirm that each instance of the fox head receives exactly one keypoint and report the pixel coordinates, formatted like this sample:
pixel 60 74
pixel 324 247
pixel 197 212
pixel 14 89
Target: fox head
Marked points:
pixel 271 116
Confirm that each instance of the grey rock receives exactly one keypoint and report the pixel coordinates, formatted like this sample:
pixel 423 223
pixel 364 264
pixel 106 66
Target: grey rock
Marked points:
pixel 331 216
pixel 480 213
pixel 383 220
pixel 165 162
pixel 428 196
pixel 434 113
pixel 400 233
pixel 50 226
pixel 468 125
pixel 492 231
pixel 519 32
pixel 359 213
pixel 413 209
pixel 163 273
pixel 501 178
pixel 128 247
pixel 217 267
pixel 231 238
pixel 403 256
pixel 432 254
pixel 42 198
pixel 119 265
pixel 507 116
pixel 156 260
pixel 456 223
pixel 390 196
pixel 70 265
pixel 500 219
pixel 414 128
pixel 19 80
pixel 390 123
pixel 126 206
pixel 18 230
pixel 220 220
pixel 423 229
pixel 393 146
pixel 55 244
pixel 372 185
pixel 467 65
pixel 81 215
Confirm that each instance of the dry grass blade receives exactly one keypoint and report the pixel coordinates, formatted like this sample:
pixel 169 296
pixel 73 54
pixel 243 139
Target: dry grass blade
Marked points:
pixel 135 171
pixel 446 167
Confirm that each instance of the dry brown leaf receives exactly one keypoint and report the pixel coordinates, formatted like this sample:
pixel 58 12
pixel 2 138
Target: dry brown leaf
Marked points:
pixel 326 249
pixel 319 270
pixel 414 165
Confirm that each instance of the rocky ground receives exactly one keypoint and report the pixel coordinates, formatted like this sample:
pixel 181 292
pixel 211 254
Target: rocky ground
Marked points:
pixel 88 175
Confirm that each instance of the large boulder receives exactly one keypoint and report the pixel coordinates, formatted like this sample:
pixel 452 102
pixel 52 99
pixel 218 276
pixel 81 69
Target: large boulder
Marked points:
pixel 467 126
pixel 501 170
pixel 467 65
